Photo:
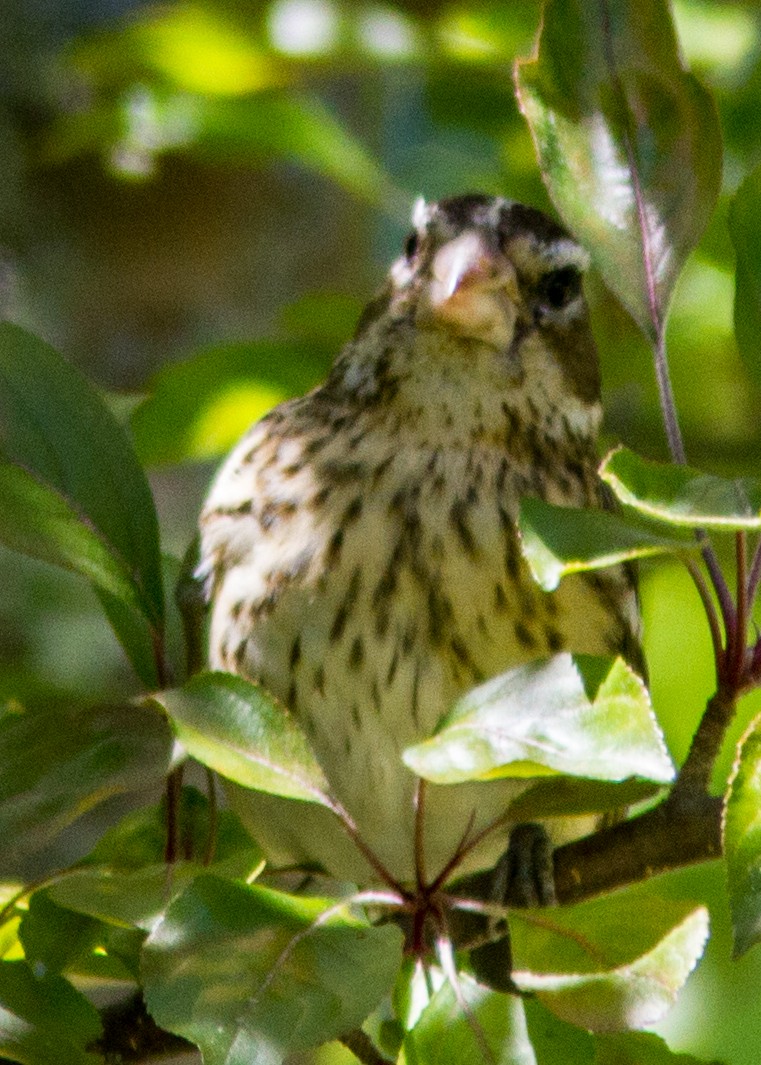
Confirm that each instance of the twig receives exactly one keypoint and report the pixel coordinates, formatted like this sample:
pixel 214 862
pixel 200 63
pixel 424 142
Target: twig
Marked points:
pixel 695 775
pixel 710 611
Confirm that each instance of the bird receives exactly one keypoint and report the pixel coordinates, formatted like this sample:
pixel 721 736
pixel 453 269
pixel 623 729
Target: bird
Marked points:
pixel 359 550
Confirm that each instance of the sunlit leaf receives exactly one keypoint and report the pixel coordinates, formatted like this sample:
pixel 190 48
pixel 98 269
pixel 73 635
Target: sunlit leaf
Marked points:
pixel 250 974
pixel 241 731
pixel 56 428
pixel 745 229
pixel 583 716
pixel 482 1026
pixel 558 540
pixel 44 1020
pixel 197 409
pixel 64 774
pixel 679 495
pixel 628 142
pixel 612 964
pixel 742 841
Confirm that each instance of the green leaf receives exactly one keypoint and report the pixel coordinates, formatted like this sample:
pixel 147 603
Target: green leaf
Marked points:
pixel 573 714
pixel 639 1048
pixel 65 777
pixel 43 1020
pixel 250 974
pixel 575 796
pixel 612 964
pixel 556 1042
pixel 299 127
pixel 241 731
pixel 139 840
pixel 127 881
pixel 628 142
pixel 745 230
pixel 742 841
pixel 482 1026
pixel 679 495
pixel 558 540
pixel 58 430
pixel 37 521
pixel 199 408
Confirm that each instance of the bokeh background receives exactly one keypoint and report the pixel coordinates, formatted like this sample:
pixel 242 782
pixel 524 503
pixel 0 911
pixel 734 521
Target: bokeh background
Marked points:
pixel 196 199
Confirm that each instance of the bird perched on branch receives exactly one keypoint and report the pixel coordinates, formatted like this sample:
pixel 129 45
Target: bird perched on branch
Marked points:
pixel 359 544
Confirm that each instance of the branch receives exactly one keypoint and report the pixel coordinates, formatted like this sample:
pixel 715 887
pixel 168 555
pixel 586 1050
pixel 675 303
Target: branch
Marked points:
pixel 363 1048
pixel 667 837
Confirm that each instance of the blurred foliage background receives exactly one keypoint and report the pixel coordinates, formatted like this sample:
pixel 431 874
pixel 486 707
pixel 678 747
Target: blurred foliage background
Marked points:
pixel 196 199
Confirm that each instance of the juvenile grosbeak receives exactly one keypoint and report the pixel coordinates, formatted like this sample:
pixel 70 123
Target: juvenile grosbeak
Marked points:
pixel 359 544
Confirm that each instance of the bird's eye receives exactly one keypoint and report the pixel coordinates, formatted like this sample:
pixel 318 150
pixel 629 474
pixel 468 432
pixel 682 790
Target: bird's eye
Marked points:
pixel 411 245
pixel 559 287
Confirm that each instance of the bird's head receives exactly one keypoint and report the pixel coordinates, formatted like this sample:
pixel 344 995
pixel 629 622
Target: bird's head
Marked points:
pixel 490 270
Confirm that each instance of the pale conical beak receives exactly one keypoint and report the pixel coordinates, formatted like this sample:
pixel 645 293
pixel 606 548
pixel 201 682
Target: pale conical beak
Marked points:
pixel 468 260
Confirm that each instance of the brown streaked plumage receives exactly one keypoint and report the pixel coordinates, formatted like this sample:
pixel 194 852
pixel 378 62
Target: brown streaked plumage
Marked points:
pixel 359 544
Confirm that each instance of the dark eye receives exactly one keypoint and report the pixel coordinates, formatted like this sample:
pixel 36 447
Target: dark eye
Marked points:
pixel 411 245
pixel 559 287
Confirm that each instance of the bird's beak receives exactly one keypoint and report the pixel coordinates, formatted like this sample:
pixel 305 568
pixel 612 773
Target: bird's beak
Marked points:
pixel 468 262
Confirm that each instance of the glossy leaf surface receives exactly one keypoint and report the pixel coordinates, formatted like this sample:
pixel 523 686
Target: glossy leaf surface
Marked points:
pixel 628 142
pixel 44 1020
pixel 680 496
pixel 483 1025
pixel 56 428
pixel 612 964
pixel 558 540
pixel 250 974
pixel 61 773
pixel 244 733
pixel 577 715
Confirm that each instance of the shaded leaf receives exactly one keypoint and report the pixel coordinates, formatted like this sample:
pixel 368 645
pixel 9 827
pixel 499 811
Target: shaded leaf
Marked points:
pixel 57 428
pixel 299 127
pixel 241 731
pixel 556 1042
pixel 628 142
pixel 575 796
pixel 572 714
pixel 44 1020
pixel 139 839
pixel 199 408
pixel 250 974
pixel 640 1048
pixel 126 880
pixel 136 636
pixel 37 521
pixel 559 540
pixel 678 495
pixel 612 964
pixel 65 777
pixel 492 1030
pixel 745 230
pixel 742 841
